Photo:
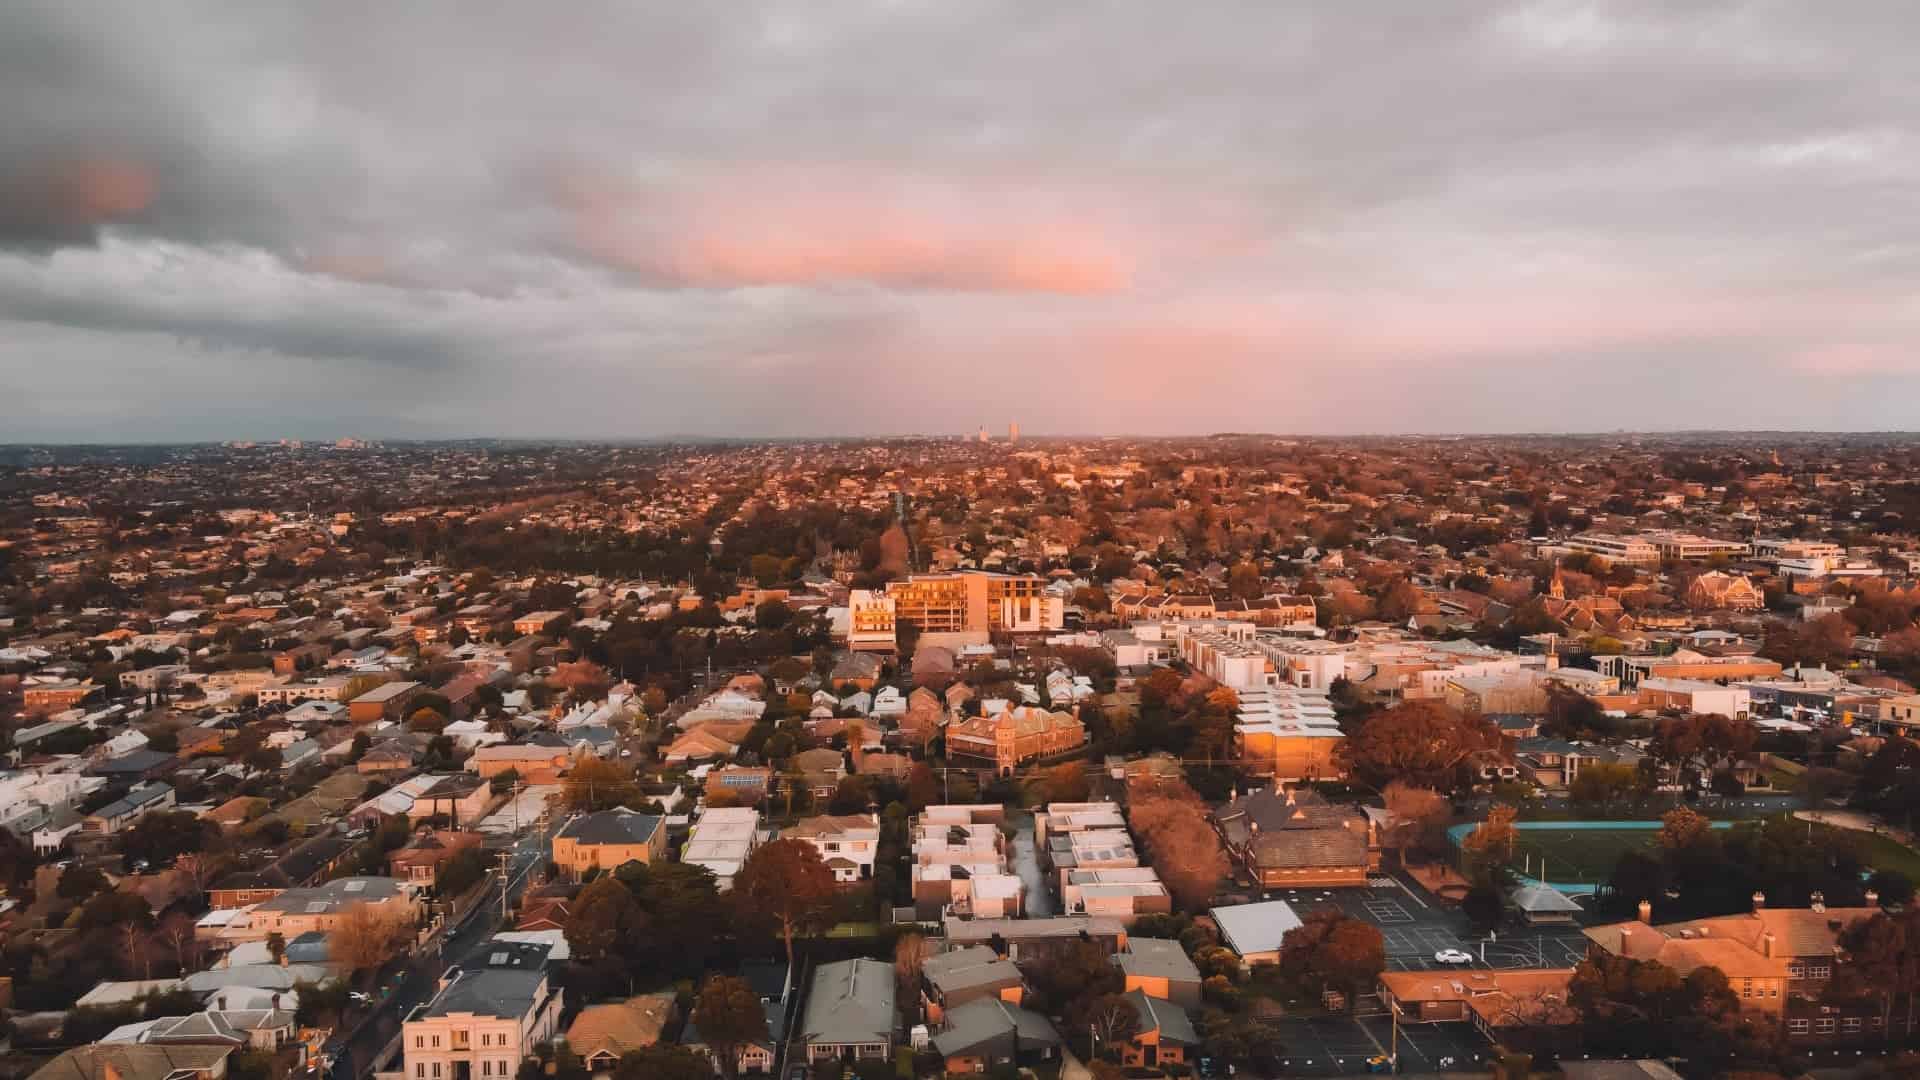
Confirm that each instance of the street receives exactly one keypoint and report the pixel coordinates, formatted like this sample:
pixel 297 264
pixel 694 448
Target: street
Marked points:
pixel 355 1054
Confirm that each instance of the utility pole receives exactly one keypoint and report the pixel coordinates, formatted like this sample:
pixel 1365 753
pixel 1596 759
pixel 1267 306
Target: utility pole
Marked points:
pixel 506 870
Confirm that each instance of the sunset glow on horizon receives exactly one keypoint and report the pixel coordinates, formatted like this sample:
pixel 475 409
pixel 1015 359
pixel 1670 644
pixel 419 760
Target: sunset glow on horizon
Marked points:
pixel 795 218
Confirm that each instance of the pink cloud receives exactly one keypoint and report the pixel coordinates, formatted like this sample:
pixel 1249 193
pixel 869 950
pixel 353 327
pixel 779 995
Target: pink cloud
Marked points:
pixel 802 226
pixel 1841 360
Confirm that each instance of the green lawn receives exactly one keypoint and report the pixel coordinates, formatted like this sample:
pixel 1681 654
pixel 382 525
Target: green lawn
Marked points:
pixel 1585 856
pixel 1882 852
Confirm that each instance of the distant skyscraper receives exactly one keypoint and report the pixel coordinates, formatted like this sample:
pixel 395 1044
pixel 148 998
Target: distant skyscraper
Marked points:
pixel 983 433
pixel 1013 431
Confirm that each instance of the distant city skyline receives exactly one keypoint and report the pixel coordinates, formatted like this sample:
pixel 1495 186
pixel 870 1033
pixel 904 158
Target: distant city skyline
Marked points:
pixel 628 221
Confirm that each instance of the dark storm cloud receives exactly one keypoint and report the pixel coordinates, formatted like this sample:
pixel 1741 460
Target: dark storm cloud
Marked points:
pixel 578 214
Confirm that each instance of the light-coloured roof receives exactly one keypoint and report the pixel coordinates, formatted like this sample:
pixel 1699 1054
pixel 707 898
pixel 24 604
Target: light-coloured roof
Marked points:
pixel 1255 928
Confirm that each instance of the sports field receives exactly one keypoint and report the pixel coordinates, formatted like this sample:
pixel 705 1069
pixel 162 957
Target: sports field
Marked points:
pixel 1584 856
pixel 1575 855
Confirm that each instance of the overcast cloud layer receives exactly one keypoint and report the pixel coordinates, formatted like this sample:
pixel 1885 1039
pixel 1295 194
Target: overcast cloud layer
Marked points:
pixel 284 218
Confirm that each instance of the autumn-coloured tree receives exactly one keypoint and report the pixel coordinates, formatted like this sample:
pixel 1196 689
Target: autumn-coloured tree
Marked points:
pixel 910 954
pixel 1491 842
pixel 923 787
pixel 595 784
pixel 788 883
pixel 427 721
pixel 1183 847
pixel 1160 687
pixel 1067 782
pixel 730 1018
pixel 1412 810
pixel 583 679
pixel 1420 742
pixel 1331 949
pixel 366 937
pixel 1681 829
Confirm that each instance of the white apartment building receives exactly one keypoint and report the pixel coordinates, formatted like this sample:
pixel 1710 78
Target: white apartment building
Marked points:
pixel 1677 545
pixel 870 621
pixel 1223 651
pixel 1304 663
pixel 1781 548
pixel 1614 548
pixel 486 1019
pixel 292 693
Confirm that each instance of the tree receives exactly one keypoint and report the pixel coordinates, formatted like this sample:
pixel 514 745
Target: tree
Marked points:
pixel 1067 782
pixel 366 938
pixel 1077 973
pixel 177 933
pixel 684 914
pixel 910 952
pixel 79 881
pixel 1601 784
pixel 1330 949
pixel 158 839
pixel 426 721
pixel 503 781
pixel 663 1061
pixel 1181 843
pixel 730 1018
pixel 1644 1009
pixel 1412 810
pixel 583 679
pixel 604 918
pixel 594 785
pixel 923 787
pixel 1492 841
pixel 1483 905
pixel 1110 1017
pixel 787 882
pixel 1701 743
pixel 1421 742
pixel 1571 714
pixel 1682 830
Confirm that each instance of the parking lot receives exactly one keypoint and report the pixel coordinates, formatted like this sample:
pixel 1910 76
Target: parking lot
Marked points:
pixel 1414 928
pixel 1341 1045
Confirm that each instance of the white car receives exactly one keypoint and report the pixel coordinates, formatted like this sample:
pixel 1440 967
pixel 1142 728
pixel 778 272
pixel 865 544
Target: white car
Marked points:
pixel 1453 956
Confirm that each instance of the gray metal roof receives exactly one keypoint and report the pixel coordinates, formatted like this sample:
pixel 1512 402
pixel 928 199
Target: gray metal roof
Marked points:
pixel 617 826
pixel 850 1002
pixel 1157 958
pixel 502 979
pixel 975 965
pixel 980 1022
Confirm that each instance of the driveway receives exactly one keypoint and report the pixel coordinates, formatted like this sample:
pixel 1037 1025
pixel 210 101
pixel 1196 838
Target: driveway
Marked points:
pixel 1026 863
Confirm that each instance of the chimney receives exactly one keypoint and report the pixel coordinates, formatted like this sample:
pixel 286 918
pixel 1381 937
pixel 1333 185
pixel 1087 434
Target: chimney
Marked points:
pixel 1759 899
pixel 1646 911
pixel 1818 901
pixel 1766 944
pixel 1873 898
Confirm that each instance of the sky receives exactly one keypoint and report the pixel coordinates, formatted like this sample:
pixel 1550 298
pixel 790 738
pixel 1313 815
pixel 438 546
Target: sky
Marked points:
pixel 634 220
